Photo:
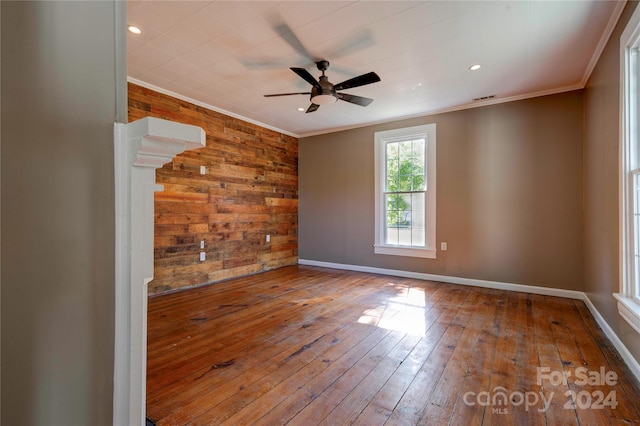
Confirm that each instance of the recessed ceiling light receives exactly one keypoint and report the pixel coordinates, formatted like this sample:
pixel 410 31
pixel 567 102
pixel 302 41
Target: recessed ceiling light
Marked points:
pixel 475 67
pixel 301 109
pixel 134 29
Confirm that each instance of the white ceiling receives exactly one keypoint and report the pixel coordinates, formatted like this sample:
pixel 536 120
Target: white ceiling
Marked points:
pixel 227 54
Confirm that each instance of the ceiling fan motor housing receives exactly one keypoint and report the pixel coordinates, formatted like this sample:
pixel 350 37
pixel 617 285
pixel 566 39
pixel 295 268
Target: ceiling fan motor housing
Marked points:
pixel 323 93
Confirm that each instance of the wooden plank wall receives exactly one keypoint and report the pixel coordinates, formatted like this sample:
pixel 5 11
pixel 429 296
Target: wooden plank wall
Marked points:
pixel 249 191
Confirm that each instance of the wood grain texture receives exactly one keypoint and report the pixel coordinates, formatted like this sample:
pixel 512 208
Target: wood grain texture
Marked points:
pixel 306 346
pixel 249 191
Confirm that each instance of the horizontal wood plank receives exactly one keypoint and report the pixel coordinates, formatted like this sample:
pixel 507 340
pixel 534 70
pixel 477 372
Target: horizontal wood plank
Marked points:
pixel 249 190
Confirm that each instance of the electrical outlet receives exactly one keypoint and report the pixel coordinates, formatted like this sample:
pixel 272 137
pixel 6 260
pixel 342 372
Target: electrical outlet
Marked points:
pixel 202 256
pixel 203 170
pixel 443 246
pixel 202 244
pixel 268 238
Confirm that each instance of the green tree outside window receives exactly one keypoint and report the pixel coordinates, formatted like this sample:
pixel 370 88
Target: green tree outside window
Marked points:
pixel 405 176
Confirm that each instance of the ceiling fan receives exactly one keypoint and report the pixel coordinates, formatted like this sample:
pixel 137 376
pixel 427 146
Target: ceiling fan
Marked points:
pixel 324 92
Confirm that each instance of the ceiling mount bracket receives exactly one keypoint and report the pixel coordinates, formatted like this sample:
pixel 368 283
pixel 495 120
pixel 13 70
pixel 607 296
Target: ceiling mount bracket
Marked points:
pixel 322 65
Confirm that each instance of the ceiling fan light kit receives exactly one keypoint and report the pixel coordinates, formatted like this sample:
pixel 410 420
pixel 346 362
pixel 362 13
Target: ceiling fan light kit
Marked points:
pixel 323 92
pixel 323 99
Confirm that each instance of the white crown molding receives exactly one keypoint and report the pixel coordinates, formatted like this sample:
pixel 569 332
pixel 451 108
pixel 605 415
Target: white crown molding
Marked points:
pixel 604 39
pixel 626 355
pixel 470 105
pixel 206 105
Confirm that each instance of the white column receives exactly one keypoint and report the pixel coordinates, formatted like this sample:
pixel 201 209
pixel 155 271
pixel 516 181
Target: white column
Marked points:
pixel 140 148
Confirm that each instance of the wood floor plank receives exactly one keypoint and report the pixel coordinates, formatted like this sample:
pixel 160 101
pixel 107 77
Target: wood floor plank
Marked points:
pixel 273 402
pixel 236 314
pixel 223 413
pixel 502 373
pixel 331 397
pixel 527 361
pixel 312 331
pixel 309 391
pixel 310 361
pixel 573 357
pixel 550 359
pixel 306 346
pixel 438 320
pixel 235 334
pixel 360 395
pixel 466 363
pixel 411 407
pixel 603 352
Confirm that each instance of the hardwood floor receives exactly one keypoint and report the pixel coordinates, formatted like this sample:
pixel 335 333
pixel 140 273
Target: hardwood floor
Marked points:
pixel 305 346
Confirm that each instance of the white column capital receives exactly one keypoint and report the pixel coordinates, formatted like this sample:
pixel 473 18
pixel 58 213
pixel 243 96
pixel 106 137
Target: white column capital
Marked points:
pixel 156 141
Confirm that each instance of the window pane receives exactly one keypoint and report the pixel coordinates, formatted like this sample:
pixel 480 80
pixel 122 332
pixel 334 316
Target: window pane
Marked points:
pixel 405 217
pixel 418 233
pixel 417 237
pixel 392 167
pixel 634 111
pixel 391 236
pixel 405 166
pixel 392 202
pixel 418 165
pixel 417 202
pixel 636 229
pixel 393 213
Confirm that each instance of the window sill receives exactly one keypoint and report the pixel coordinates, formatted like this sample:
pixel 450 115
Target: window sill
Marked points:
pixel 426 253
pixel 629 309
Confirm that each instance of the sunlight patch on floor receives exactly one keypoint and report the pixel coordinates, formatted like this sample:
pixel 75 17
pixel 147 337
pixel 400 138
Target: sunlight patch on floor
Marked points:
pixel 403 312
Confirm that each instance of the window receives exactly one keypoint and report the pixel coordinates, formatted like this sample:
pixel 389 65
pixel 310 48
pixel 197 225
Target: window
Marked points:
pixel 405 169
pixel 629 296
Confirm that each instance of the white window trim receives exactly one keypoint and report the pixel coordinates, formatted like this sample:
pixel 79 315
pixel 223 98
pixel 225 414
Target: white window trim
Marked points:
pixel 429 251
pixel 628 302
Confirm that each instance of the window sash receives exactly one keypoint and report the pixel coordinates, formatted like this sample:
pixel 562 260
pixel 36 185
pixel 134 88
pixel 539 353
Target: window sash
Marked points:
pixel 411 234
pixel 416 175
pixel 634 231
pixel 634 76
pixel 630 276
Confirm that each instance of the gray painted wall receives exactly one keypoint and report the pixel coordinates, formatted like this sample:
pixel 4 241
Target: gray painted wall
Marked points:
pixel 58 109
pixel 601 168
pixel 509 194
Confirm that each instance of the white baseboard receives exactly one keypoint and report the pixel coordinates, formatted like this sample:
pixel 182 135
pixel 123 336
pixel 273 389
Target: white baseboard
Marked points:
pixel 628 358
pixel 546 291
